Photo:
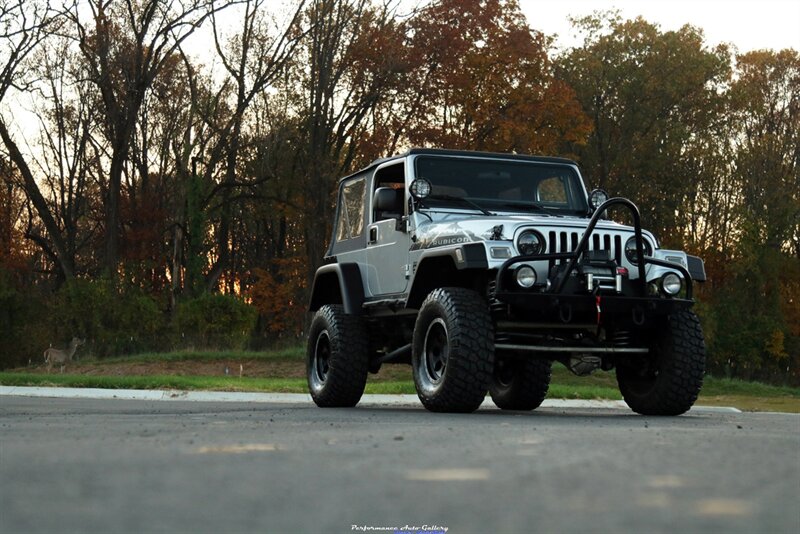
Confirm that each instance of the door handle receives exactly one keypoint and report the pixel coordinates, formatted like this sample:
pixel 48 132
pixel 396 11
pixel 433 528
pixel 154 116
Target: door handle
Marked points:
pixel 373 234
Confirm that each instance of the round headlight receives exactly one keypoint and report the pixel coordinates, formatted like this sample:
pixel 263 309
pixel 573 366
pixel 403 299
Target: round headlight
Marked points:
pixel 597 197
pixel 530 243
pixel 671 284
pixel 630 250
pixel 526 276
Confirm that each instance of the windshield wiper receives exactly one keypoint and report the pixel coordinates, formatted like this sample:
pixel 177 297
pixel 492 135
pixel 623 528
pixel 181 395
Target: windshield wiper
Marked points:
pixel 526 207
pixel 464 200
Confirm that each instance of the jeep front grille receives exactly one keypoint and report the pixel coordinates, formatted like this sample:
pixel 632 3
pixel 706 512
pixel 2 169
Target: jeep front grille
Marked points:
pixel 563 241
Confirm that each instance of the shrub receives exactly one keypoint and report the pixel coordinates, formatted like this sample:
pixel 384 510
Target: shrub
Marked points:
pixel 214 321
pixel 114 320
pixel 24 324
pixel 277 294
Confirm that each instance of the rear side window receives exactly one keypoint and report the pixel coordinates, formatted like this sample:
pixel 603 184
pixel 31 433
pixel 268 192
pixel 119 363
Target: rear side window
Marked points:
pixel 351 210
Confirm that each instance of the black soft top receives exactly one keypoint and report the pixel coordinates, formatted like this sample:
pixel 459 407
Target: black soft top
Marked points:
pixel 473 153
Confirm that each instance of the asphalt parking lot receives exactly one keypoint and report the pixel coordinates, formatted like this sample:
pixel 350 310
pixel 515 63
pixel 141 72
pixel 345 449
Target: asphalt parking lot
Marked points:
pixel 104 465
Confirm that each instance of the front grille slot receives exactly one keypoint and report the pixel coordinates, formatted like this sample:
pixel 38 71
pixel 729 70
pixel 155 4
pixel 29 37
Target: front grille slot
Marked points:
pixel 564 241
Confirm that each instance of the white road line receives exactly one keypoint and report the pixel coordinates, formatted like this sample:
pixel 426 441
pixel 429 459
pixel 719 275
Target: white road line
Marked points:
pixel 236 449
pixel 447 475
pixel 724 508
pixel 285 398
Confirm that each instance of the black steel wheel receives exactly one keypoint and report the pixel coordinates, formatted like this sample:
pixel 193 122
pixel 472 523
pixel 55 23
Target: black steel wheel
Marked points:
pixel 520 383
pixel 668 380
pixel 453 350
pixel 336 358
pixel 435 351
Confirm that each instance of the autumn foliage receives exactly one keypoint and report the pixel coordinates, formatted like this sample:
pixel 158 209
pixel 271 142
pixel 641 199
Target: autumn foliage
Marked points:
pixel 172 191
pixel 275 294
pixel 487 83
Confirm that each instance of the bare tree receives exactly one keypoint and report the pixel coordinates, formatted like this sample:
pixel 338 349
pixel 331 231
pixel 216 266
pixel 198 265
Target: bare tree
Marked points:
pixel 339 95
pixel 252 59
pixel 24 24
pixel 63 155
pixel 126 45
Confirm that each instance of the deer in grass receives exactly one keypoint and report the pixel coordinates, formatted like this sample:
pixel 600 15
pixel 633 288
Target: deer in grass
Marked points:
pixel 52 355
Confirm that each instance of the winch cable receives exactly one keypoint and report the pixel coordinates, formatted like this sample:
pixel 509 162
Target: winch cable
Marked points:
pixel 599 311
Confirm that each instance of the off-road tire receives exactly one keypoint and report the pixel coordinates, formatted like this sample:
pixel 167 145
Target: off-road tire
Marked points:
pixel 456 320
pixel 669 381
pixel 520 384
pixel 337 358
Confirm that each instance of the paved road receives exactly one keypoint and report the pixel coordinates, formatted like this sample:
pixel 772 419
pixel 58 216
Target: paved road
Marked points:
pixel 154 466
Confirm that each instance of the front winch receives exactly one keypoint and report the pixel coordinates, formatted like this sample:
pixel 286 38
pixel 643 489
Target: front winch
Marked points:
pixel 601 272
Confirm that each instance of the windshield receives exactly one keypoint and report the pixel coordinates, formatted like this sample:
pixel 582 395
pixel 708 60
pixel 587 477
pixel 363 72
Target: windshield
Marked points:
pixel 500 185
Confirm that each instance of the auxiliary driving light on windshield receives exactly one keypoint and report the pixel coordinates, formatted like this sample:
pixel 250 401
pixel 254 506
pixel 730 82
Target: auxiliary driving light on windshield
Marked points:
pixel 671 284
pixel 597 198
pixel 420 188
pixel 525 276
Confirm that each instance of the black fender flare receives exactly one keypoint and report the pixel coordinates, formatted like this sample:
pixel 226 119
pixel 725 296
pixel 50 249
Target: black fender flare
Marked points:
pixel 338 283
pixel 471 257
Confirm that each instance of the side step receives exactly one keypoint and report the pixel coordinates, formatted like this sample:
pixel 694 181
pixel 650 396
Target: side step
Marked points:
pixel 584 350
pixel 392 304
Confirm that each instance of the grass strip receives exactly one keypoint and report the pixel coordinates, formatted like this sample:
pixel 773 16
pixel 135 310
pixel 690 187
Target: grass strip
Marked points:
pixel 604 382
pixel 749 396
pixel 276 385
pixel 209 383
pixel 288 354
pixel 753 404
pixel 713 386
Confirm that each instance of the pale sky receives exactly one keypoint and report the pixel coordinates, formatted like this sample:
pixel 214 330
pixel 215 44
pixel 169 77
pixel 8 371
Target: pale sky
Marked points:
pixel 748 24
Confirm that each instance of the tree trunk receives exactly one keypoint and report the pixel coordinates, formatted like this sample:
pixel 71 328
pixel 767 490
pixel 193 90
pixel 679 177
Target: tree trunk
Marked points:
pixel 112 216
pixel 64 261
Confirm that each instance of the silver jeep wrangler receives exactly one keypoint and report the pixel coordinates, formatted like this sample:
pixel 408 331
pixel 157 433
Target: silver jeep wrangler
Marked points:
pixel 480 270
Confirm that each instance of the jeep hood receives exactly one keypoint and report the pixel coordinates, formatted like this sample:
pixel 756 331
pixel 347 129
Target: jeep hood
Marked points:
pixel 452 229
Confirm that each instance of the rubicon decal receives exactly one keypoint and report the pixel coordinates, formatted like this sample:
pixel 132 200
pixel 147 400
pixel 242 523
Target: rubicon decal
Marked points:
pixel 442 236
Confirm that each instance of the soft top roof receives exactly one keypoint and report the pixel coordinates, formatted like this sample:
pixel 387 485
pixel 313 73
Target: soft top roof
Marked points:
pixel 473 153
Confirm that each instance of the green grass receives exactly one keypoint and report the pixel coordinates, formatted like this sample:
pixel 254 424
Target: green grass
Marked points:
pixel 728 386
pixel 211 383
pixel 393 379
pixel 280 385
pixel 712 386
pixel 289 354
pixel 391 387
